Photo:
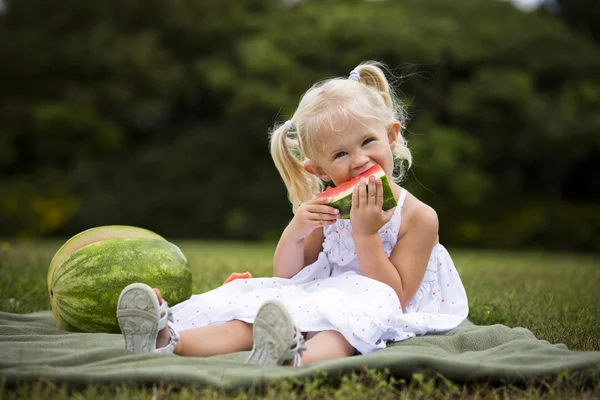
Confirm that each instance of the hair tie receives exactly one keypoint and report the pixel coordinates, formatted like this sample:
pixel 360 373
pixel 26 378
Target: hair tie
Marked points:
pixel 354 75
pixel 289 125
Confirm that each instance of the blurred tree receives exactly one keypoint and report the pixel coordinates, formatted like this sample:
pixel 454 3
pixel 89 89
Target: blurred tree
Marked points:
pixel 581 15
pixel 156 114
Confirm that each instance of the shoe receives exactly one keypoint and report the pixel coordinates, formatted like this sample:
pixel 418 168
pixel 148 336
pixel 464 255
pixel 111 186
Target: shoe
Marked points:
pixel 139 316
pixel 276 338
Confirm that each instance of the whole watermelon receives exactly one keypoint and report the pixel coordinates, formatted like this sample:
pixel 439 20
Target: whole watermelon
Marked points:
pixel 84 288
pixel 93 235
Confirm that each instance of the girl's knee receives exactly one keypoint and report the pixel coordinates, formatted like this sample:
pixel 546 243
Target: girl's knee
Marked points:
pixel 348 348
pixel 236 323
pixel 338 340
pixel 239 328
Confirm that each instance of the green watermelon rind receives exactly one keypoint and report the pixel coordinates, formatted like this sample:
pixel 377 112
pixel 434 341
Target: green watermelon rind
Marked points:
pixel 86 286
pixel 93 235
pixel 343 201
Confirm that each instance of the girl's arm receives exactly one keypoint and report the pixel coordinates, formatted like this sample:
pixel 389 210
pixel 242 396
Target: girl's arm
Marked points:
pixel 302 239
pixel 405 269
pixel 292 254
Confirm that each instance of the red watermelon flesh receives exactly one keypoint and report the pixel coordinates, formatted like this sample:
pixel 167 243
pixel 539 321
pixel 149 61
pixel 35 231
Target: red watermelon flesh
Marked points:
pixel 342 194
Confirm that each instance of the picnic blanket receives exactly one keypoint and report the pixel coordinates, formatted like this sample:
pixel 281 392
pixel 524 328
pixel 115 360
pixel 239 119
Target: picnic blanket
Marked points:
pixel 32 348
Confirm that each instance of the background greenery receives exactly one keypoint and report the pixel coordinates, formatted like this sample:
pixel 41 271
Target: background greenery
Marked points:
pixel 155 113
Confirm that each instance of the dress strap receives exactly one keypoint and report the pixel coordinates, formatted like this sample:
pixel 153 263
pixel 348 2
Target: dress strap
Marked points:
pixel 402 198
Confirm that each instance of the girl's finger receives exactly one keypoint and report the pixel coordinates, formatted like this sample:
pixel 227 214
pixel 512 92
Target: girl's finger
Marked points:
pixel 319 209
pixel 322 217
pixel 320 200
pixel 379 200
pixel 355 199
pixel 324 222
pixel 371 191
pixel 362 192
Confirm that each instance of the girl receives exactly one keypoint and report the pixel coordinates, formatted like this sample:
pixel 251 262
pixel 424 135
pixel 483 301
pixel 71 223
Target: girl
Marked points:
pixel 345 286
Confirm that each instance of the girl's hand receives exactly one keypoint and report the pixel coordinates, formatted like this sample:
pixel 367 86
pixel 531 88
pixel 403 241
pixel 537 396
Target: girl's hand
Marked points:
pixel 313 214
pixel 366 214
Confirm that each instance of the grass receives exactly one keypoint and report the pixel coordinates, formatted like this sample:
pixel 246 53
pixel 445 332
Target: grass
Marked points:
pixel 556 296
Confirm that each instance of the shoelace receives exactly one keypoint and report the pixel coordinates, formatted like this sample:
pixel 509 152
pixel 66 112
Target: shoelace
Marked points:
pixel 173 335
pixel 298 347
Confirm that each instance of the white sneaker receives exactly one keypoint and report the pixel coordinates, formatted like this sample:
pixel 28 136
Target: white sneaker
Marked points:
pixel 276 338
pixel 139 316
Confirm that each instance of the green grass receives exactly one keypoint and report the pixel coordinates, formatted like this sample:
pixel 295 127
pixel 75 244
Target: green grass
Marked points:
pixel 557 297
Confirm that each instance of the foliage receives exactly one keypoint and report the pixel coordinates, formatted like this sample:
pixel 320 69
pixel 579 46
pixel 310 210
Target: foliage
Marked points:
pixel 580 15
pixel 156 114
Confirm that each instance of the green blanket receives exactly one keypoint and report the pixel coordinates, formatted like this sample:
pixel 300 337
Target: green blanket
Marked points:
pixel 32 348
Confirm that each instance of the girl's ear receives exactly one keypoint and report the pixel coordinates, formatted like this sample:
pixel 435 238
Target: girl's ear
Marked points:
pixel 312 168
pixel 393 132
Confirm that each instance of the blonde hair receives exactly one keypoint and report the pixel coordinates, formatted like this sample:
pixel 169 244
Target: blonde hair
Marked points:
pixel 293 144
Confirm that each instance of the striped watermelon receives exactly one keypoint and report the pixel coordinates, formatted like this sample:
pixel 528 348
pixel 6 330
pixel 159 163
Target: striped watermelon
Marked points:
pixel 85 287
pixel 93 235
pixel 342 194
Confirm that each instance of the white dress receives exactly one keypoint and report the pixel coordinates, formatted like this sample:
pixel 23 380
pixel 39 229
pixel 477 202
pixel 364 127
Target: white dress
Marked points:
pixel 330 294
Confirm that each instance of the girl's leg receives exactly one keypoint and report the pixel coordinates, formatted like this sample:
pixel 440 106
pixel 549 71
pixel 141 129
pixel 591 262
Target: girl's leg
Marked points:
pixel 277 340
pixel 236 335
pixel 213 340
pixel 209 341
pixel 326 345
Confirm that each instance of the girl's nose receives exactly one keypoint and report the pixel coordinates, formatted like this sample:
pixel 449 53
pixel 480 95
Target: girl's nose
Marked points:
pixel 359 160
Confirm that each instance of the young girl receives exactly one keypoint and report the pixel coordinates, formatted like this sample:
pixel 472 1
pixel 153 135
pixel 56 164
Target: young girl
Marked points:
pixel 344 286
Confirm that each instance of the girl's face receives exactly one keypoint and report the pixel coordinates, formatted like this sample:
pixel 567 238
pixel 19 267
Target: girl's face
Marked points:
pixel 354 146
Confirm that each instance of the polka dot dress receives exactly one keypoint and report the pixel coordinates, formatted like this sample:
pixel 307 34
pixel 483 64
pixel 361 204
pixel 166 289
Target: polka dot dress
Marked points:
pixel 330 294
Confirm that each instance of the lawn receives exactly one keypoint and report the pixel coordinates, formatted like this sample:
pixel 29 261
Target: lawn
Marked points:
pixel 556 296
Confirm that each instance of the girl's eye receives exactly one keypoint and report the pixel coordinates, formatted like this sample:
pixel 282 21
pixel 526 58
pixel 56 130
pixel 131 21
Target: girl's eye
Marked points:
pixel 367 141
pixel 340 154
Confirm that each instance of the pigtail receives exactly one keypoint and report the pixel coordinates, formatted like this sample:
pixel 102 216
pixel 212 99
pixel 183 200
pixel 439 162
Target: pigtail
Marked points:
pixel 372 75
pixel 288 159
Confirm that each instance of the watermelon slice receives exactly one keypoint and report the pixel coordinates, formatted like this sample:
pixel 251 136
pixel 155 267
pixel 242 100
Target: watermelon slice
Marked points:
pixel 342 195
